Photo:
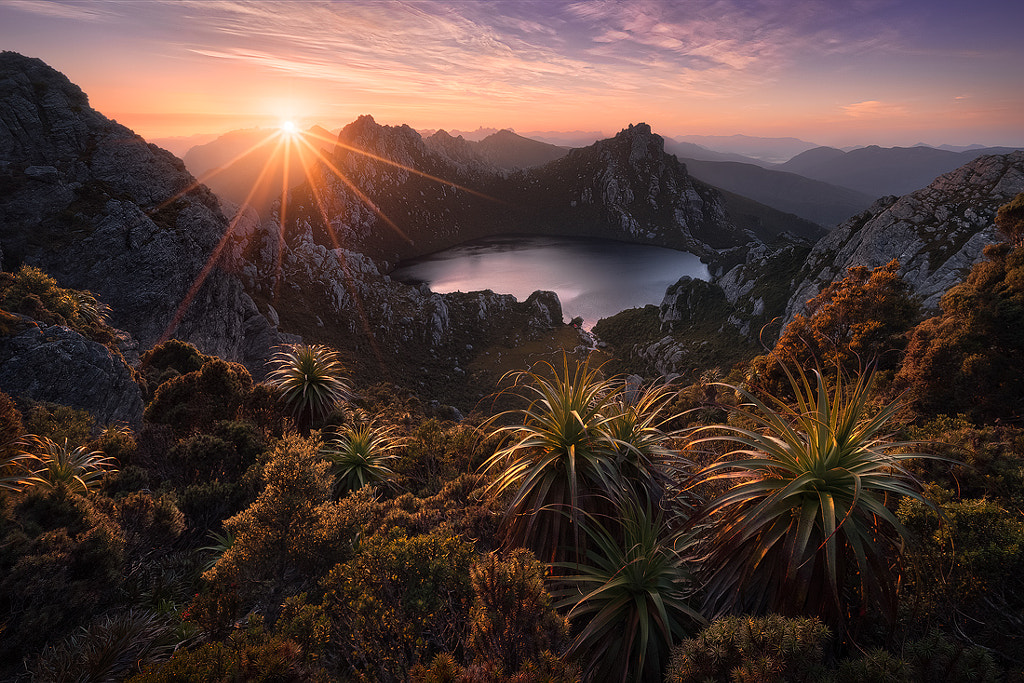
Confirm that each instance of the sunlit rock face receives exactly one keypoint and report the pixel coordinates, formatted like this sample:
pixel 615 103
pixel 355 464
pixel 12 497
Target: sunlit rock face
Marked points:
pixel 937 233
pixel 94 205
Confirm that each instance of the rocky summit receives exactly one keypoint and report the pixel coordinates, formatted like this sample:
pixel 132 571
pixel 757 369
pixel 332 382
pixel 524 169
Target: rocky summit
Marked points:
pixel 937 233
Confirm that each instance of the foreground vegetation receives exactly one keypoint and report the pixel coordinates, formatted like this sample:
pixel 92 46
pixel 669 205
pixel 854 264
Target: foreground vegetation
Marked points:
pixel 816 516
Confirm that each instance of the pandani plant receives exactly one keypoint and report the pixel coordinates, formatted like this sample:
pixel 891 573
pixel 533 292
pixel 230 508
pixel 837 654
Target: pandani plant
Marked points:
pixel 557 462
pixel 580 441
pixel 807 526
pixel 56 466
pixel 360 454
pixel 629 597
pixel 310 378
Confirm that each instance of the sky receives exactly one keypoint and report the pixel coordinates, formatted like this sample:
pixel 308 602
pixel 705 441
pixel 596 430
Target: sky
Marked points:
pixel 834 72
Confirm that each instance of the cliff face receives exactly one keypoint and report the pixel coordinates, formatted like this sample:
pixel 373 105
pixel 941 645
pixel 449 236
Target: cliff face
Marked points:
pixel 937 233
pixel 404 333
pixel 94 205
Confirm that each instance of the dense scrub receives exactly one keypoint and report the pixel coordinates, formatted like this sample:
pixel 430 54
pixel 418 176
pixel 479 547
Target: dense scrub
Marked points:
pixel 586 533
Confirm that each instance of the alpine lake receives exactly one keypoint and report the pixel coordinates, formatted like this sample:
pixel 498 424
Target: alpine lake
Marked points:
pixel 594 278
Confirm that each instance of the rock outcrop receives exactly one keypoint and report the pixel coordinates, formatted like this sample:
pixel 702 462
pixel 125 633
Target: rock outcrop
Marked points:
pixel 340 296
pixel 937 233
pixel 58 365
pixel 95 206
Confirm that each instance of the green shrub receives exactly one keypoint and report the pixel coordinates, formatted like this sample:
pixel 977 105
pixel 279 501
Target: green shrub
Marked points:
pixel 60 562
pixel 59 423
pixel 968 568
pixel 304 623
pixel 877 665
pixel 197 400
pixel 751 650
pixel 208 504
pixel 438 452
pixel 117 441
pixel 400 601
pixel 149 521
pixel 292 530
pixel 937 658
pixel 225 454
pixel 513 619
pixel 251 655
pixel 11 424
pixel 968 359
pixel 171 359
pixel 32 292
pixel 860 319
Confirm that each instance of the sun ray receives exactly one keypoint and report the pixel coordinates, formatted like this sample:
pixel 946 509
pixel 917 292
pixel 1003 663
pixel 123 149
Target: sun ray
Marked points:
pixel 359 193
pixel 407 168
pixel 283 213
pixel 211 173
pixel 179 314
pixel 346 272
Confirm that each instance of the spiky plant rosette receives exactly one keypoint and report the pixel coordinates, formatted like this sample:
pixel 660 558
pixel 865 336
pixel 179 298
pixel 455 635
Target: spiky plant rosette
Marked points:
pixel 90 309
pixel 810 504
pixel 630 595
pixel 636 430
pixel 17 464
pixel 310 378
pixel 556 460
pixel 77 470
pixel 361 454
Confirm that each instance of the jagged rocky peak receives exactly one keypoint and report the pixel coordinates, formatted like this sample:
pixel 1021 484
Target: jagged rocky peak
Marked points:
pixel 937 233
pixel 397 143
pixel 91 203
pixel 636 144
pixel 25 133
pixel 455 148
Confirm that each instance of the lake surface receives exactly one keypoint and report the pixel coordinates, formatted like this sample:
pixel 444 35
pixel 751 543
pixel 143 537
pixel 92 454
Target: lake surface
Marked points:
pixel 593 278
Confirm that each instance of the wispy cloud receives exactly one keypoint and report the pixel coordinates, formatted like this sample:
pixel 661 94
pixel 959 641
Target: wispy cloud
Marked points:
pixel 874 109
pixel 506 46
pixel 77 11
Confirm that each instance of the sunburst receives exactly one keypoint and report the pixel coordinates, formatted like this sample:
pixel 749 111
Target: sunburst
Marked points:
pixel 290 140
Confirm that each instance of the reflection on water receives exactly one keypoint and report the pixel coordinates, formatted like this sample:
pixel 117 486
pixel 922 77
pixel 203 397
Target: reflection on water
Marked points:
pixel 593 278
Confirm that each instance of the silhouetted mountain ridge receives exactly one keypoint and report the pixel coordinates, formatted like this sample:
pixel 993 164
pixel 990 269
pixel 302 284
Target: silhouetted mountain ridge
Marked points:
pixel 879 171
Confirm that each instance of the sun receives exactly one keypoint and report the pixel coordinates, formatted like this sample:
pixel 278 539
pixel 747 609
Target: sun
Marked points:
pixel 288 127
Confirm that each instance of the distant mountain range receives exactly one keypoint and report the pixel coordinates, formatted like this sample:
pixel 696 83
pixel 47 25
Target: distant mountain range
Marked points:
pixel 879 171
pixel 823 185
pixel 626 187
pixel 763 150
pixel 823 203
